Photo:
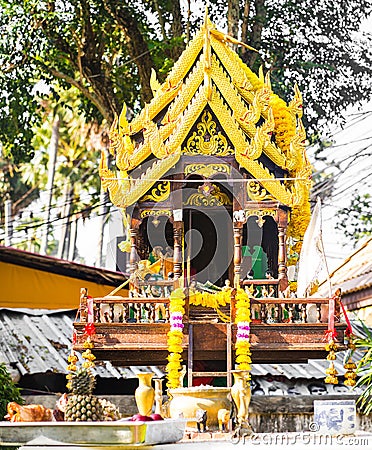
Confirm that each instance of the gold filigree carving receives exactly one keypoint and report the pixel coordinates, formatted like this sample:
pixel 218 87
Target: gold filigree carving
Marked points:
pixel 207 140
pixel 257 192
pixel 295 106
pixel 158 194
pixel 155 213
pixel 207 170
pixel 260 214
pixel 208 197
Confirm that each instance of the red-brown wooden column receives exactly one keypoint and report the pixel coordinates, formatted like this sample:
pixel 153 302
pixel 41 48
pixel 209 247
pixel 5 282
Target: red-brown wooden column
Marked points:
pixel 282 221
pixel 238 234
pixel 133 257
pixel 177 255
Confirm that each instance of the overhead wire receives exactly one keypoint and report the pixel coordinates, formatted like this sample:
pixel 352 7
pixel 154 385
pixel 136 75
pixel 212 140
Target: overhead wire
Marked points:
pixel 33 225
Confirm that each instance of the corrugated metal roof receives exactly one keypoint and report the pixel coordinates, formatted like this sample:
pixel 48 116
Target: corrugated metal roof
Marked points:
pixel 355 272
pixel 37 341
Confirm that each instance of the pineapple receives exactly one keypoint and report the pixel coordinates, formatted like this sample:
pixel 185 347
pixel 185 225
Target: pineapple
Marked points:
pixel 82 405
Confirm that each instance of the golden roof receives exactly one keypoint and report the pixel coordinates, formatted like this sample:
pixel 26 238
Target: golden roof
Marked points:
pixel 210 79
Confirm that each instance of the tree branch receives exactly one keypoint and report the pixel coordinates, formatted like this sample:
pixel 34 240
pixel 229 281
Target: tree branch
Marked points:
pixel 85 91
pixel 258 24
pixel 136 45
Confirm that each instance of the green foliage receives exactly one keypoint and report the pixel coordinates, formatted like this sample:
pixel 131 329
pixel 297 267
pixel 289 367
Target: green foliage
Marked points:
pixel 364 370
pixel 8 391
pixel 355 220
pixel 106 49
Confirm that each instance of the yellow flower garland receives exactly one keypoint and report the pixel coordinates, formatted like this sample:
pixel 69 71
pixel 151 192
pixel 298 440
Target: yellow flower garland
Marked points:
pixel 242 319
pixel 285 130
pixel 175 336
pixel 209 300
pixel 285 123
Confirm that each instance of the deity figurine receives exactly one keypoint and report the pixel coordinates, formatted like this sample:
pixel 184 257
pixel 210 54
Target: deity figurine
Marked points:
pixel 227 286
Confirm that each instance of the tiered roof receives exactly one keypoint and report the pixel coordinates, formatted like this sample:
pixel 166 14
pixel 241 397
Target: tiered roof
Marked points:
pixel 211 90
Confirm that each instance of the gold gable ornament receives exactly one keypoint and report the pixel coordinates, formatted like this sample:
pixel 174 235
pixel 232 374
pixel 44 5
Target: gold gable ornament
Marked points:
pixel 207 140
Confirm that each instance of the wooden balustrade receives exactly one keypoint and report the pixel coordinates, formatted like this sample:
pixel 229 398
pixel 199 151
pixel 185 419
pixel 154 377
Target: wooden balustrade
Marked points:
pixel 289 310
pixel 266 306
pixel 261 288
pixel 115 309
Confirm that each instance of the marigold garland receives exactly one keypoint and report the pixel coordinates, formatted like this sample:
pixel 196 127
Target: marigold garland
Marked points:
pixel 299 220
pixel 285 131
pixel 175 336
pixel 331 347
pixel 350 375
pixel 242 319
pixel 332 373
pixel 210 300
pixel 285 123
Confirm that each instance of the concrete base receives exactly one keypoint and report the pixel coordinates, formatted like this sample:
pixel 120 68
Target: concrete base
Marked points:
pixel 278 414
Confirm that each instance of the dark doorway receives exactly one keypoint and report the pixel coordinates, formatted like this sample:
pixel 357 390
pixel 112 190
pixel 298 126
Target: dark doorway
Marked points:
pixel 208 245
pixel 260 247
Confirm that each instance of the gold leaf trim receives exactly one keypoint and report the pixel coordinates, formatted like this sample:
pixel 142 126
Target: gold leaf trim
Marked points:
pixel 257 192
pixel 125 191
pixel 260 214
pixel 159 193
pixel 207 170
pixel 155 213
pixel 217 198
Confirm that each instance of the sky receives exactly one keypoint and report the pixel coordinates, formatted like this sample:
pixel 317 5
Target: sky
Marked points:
pixel 352 150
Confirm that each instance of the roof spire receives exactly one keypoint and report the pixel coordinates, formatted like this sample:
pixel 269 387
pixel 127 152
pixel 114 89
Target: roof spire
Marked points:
pixel 206 14
pixel 207 54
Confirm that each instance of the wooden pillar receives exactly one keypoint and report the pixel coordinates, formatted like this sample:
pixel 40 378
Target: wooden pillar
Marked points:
pixel 133 258
pixel 238 234
pixel 282 254
pixel 177 255
pixel 239 195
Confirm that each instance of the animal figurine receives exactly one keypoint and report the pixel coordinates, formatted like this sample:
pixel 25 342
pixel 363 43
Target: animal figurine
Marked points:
pixel 201 420
pixel 28 413
pixel 37 413
pixel 60 408
pixel 182 374
pixel 239 216
pixel 223 417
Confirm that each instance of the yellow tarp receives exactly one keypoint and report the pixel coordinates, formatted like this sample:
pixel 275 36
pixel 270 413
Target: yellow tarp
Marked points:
pixel 22 287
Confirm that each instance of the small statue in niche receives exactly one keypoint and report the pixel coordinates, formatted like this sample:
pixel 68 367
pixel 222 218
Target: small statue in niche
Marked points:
pixel 227 286
pixel 271 291
pixel 201 420
pixel 269 275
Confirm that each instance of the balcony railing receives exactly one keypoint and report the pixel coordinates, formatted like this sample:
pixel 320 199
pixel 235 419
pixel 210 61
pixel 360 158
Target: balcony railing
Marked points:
pixel 266 306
